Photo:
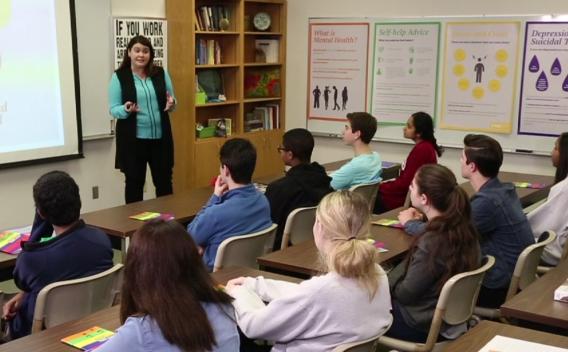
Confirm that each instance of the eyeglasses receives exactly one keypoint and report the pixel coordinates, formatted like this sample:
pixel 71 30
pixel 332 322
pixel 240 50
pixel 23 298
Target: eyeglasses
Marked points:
pixel 281 149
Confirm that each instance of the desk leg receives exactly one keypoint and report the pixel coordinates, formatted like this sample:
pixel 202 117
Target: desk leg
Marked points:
pixel 124 243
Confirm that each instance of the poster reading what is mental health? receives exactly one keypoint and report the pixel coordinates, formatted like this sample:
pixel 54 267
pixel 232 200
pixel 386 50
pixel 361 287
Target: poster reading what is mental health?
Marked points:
pixel 544 92
pixel 337 67
pixel 478 87
pixel 405 70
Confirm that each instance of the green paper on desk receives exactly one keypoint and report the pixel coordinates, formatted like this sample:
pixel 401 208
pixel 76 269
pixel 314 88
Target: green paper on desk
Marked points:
pixel 149 215
pixel 388 222
pixel 533 185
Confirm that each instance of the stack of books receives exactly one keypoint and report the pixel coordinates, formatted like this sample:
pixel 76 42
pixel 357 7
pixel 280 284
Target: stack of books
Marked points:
pixel 263 118
pixel 207 52
pixel 208 18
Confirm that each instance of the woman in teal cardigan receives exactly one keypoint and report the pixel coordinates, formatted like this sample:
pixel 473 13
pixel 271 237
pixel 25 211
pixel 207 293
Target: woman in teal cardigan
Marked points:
pixel 140 97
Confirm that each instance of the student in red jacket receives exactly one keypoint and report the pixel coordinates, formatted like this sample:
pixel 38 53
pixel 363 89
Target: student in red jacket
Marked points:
pixel 420 129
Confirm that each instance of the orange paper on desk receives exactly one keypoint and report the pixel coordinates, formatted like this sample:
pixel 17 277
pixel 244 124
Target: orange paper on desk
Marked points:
pixel 88 340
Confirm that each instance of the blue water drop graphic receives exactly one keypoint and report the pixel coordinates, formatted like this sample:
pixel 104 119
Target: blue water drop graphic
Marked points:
pixel 556 68
pixel 542 82
pixel 534 65
pixel 565 84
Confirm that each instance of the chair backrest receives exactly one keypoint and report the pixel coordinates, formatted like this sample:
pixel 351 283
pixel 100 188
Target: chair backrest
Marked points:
pixel 299 226
pixel 243 250
pixel 367 190
pixel 457 300
pixel 63 301
pixel 527 263
pixel 359 346
pixel 407 202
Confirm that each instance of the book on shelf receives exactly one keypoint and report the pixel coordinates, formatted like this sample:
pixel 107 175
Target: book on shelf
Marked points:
pixel 263 118
pixel 207 52
pixel 262 83
pixel 267 49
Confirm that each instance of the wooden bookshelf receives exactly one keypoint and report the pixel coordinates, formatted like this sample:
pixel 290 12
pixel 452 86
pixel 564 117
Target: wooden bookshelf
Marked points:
pixel 196 160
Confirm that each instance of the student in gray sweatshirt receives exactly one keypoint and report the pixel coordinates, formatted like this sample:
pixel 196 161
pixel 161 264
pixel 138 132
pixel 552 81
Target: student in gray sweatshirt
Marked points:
pixel 449 246
pixel 350 303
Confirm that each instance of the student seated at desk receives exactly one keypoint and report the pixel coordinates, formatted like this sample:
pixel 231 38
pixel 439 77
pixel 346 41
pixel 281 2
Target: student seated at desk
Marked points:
pixel 447 247
pixel 497 215
pixel 76 250
pixel 349 303
pixel 168 300
pixel 365 167
pixel 236 206
pixel 420 129
pixel 551 215
pixel 305 183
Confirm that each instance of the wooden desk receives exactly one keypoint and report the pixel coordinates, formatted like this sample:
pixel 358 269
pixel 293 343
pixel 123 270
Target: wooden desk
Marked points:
pixel 303 259
pixel 476 338
pixel 536 304
pixel 49 340
pixel 527 196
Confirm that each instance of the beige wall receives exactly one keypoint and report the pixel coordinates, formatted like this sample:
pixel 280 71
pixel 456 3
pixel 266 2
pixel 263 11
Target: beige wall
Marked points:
pixel 16 205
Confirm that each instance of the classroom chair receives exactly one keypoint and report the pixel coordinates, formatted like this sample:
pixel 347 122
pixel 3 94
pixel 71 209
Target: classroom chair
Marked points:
pixel 541 270
pixel 63 301
pixel 299 226
pixel 524 273
pixel 367 190
pixel 455 306
pixel 367 345
pixel 243 250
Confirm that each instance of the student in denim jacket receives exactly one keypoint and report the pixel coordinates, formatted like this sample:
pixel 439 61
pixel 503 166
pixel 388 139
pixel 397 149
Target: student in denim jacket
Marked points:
pixel 496 213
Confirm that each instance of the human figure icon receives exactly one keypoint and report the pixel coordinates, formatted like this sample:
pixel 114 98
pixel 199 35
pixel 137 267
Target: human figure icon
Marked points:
pixel 344 98
pixel 326 92
pixel 317 93
pixel 479 68
pixel 335 105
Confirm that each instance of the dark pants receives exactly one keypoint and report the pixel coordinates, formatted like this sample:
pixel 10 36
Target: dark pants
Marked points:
pixel 147 151
pixel 401 330
pixel 491 297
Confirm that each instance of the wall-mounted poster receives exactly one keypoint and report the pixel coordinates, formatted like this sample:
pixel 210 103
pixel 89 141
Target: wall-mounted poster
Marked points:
pixel 155 29
pixel 544 84
pixel 480 65
pixel 405 70
pixel 337 68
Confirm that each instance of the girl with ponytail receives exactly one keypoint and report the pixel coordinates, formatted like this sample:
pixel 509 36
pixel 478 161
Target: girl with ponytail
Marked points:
pixel 349 303
pixel 449 246
pixel 420 129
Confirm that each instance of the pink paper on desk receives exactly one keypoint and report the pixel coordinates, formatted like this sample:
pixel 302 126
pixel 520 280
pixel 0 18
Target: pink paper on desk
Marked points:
pixel 10 241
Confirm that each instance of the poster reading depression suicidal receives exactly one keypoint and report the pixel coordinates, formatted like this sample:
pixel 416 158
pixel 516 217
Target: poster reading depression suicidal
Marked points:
pixel 337 67
pixel 544 92
pixel 154 29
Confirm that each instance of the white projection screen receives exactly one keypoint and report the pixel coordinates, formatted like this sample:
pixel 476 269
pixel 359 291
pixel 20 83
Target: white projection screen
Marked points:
pixel 39 83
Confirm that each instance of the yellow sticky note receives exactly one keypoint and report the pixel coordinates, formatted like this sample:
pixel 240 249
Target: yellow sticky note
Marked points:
pixel 5 12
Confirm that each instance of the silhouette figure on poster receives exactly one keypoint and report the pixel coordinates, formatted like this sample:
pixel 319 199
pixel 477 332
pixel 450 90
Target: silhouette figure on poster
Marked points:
pixel 335 105
pixel 326 92
pixel 317 93
pixel 344 98
pixel 478 68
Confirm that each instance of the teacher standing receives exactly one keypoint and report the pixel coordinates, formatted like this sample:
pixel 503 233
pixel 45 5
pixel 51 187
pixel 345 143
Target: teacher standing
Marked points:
pixel 140 96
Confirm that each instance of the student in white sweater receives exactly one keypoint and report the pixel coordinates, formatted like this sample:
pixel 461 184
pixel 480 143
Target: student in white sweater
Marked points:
pixel 551 215
pixel 350 303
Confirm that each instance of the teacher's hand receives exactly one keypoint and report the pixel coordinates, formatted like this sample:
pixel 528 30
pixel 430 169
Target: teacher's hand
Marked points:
pixel 170 102
pixel 131 107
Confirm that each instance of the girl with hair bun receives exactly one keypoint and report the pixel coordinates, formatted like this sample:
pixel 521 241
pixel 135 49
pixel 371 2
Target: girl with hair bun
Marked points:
pixel 448 246
pixel 350 303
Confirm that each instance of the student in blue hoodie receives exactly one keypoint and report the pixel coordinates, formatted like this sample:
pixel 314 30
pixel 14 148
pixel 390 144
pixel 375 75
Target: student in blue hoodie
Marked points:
pixel 75 251
pixel 236 206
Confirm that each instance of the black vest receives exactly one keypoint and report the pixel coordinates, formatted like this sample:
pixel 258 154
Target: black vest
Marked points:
pixel 126 128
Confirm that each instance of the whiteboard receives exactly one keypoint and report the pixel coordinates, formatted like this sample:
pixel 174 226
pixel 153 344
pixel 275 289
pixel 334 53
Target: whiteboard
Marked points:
pixel 93 21
pixel 537 145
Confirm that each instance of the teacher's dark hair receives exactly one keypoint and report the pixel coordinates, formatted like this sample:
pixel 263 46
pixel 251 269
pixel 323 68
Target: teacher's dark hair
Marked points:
pixel 140 39
pixel 424 125
pixel 164 277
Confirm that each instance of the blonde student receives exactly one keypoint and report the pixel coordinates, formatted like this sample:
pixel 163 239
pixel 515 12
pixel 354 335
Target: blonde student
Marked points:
pixel 349 303
pixel 551 215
